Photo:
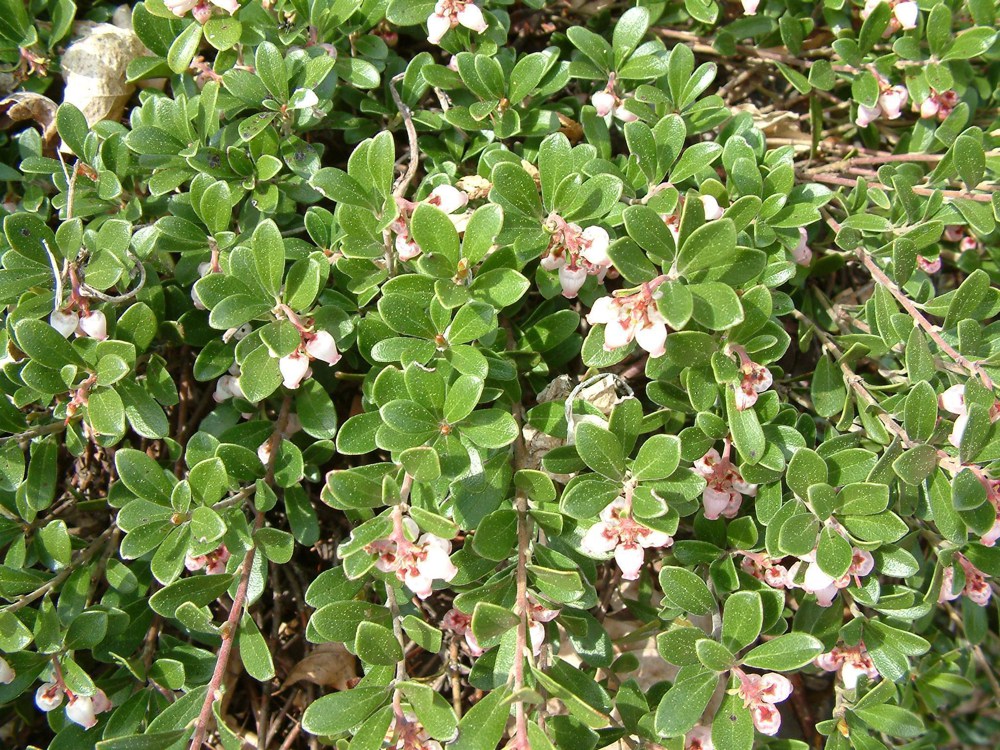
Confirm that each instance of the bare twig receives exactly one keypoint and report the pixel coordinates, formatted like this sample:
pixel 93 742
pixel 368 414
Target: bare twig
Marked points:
pixel 82 557
pixel 411 134
pixel 229 628
pixel 858 386
pixel 879 275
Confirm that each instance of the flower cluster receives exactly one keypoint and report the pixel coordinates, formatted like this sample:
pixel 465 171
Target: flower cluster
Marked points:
pixel 576 253
pixel 445 197
pixel 632 316
pixel 938 104
pixel 725 487
pixel 213 562
pixel 451 13
pixel 890 103
pixel 80 709
pixel 754 380
pixel 200 9
pixel 976 587
pixel 607 102
pixel 850 662
pixel 418 563
pixel 619 532
pixel 818 582
pixel 759 694
pixel 905 14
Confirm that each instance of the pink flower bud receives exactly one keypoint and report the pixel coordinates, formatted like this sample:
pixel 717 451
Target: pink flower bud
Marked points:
pixel 322 346
pixel 64 322
pixel 264 452
pixel 802 254
pixel 907 13
pixel 604 102
pixel 7 673
pixel 892 101
pixel 294 369
pixel 471 17
pixel 929 107
pixel 713 210
pixel 93 324
pixel 180 7
pixel 81 711
pixel 867 115
pixel 750 7
pixel 202 12
pixel 437 26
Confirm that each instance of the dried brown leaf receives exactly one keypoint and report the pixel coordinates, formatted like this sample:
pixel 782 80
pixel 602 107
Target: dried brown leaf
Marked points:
pixel 328 665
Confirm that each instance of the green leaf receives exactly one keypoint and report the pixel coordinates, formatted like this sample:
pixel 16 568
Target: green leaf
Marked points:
pixel 376 644
pixel 254 653
pixel 658 458
pixel 600 450
pixel 184 48
pixel 269 256
pixel 710 246
pixel 143 476
pixel 199 590
pixel 685 590
pixel 784 653
pixel 742 619
pixel 685 702
pixel 969 158
pixel 435 233
pixel 45 345
pixel 270 66
pixel 338 712
pixel 515 190
pixel 483 726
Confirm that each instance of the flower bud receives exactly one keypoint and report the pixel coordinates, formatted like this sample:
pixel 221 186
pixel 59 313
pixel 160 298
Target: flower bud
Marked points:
pixel 93 324
pixel 81 711
pixel 294 369
pixel 7 673
pixel 64 322
pixel 322 346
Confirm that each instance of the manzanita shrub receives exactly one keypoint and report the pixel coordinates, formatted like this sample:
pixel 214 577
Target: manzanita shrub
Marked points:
pixel 559 374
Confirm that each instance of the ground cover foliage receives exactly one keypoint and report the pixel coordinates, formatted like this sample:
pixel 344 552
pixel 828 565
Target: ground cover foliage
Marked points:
pixel 523 374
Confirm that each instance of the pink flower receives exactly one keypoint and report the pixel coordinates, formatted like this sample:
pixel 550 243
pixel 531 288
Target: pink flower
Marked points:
pixel 607 102
pixel 48 696
pixel 93 324
pixel 633 316
pixel 7 673
pixel 321 345
pixel 759 694
pixel 867 115
pixel 725 487
pixel 766 569
pixel 213 562
pixel 65 322
pixel 576 253
pixel 538 615
pixel 416 564
pixel 968 244
pixel 803 254
pixel 294 369
pixel 202 10
pixel 450 13
pixel 977 588
pixel 750 7
pixel 939 104
pixel 754 380
pixel 850 662
pixel 904 14
pixel 461 624
pixel 824 586
pixel 228 386
pixel 445 197
pixel 953 400
pixel 80 710
pixel 892 101
pixel 929 266
pixel 699 738
pixel 713 211
pixel 618 531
